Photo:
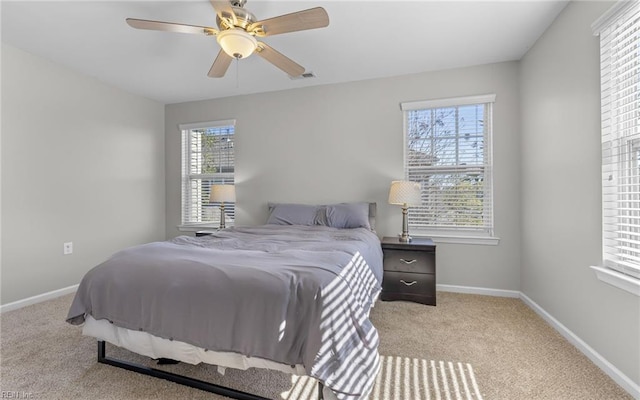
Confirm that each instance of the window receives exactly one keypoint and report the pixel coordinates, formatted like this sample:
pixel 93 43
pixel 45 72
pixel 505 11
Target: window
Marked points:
pixel 619 31
pixel 448 150
pixel 207 159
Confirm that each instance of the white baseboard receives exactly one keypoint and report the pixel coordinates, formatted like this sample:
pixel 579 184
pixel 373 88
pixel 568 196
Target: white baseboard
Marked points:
pixel 621 379
pixel 37 299
pixel 479 290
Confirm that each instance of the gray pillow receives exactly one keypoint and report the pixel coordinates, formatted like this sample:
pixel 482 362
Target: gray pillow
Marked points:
pixel 293 214
pixel 348 215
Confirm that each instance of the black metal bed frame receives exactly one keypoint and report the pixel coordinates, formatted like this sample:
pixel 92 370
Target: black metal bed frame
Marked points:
pixel 181 379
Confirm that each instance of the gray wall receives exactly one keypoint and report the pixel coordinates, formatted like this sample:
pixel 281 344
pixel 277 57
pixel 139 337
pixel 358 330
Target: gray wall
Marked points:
pixel 81 162
pixel 561 180
pixel 344 143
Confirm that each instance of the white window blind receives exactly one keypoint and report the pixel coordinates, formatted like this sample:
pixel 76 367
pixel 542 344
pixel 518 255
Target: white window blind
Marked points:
pixel 208 158
pixel 448 150
pixel 619 32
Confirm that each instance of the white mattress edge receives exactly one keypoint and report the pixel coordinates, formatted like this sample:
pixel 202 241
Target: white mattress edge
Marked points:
pixel 148 345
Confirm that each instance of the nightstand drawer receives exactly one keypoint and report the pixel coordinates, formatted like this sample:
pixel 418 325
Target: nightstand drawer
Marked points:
pixel 409 283
pixel 410 261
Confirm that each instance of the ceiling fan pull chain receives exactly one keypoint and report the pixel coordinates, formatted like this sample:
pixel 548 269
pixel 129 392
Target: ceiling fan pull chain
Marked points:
pixel 237 74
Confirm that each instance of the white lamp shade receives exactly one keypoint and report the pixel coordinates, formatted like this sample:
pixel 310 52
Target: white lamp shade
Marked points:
pixel 223 194
pixel 237 43
pixel 405 192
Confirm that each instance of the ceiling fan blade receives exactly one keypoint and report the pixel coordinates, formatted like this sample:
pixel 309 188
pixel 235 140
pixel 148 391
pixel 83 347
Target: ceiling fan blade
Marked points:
pixel 220 65
pixel 279 60
pixel 170 27
pixel 223 9
pixel 298 21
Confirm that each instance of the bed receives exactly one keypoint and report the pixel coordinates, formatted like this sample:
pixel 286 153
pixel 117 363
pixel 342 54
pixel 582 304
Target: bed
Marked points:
pixel 292 295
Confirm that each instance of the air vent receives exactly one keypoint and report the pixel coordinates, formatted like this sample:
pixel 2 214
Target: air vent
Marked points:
pixel 306 75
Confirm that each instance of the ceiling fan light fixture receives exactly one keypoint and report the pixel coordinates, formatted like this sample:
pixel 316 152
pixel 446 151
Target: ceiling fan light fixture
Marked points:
pixel 237 43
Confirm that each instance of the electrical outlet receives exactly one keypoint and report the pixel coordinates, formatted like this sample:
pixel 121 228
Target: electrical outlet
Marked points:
pixel 68 248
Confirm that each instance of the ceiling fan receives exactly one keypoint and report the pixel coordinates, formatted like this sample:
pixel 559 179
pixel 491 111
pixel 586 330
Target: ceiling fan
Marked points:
pixel 237 32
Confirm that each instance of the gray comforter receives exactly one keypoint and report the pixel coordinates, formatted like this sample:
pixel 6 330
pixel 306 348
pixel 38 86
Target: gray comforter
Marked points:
pixel 291 294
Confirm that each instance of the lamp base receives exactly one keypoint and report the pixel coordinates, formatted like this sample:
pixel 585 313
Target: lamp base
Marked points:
pixel 404 237
pixel 222 221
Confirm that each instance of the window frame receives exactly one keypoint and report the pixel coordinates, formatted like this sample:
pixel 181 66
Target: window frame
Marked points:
pixel 187 177
pixel 459 235
pixel 618 143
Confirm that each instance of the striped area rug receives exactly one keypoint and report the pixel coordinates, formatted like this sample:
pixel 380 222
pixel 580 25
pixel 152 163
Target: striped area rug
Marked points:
pixel 404 378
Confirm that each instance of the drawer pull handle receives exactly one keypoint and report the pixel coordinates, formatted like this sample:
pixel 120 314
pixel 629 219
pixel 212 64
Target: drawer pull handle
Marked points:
pixel 408 283
pixel 408 261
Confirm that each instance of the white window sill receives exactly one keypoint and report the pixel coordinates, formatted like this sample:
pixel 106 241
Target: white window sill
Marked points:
pixel 619 280
pixel 478 240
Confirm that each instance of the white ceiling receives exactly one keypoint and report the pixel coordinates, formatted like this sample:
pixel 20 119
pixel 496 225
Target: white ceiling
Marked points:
pixel 364 40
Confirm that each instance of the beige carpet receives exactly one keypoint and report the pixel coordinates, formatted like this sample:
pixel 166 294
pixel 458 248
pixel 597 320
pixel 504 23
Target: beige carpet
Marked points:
pixel 468 347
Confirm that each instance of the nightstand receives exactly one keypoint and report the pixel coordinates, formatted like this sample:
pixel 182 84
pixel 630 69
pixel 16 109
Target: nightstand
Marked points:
pixel 409 270
pixel 205 233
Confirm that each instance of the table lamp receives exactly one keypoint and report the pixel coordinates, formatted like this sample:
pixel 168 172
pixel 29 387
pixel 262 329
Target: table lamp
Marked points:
pixel 405 193
pixel 221 194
